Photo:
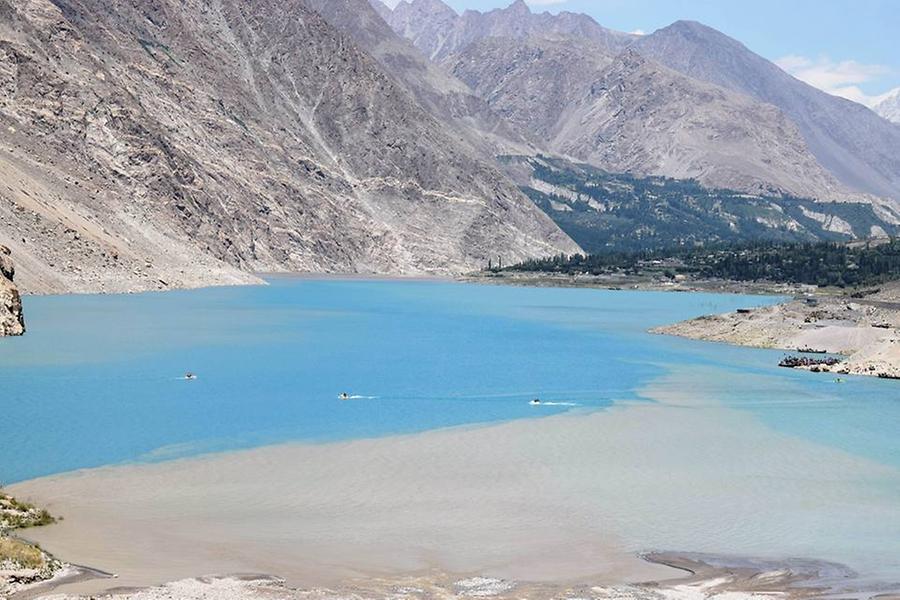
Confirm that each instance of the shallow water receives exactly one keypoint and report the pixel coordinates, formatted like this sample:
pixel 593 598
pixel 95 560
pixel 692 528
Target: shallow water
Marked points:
pixel 100 379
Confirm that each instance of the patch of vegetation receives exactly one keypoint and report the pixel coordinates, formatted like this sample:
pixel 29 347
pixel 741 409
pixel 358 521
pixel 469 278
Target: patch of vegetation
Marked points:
pixel 20 554
pixel 823 264
pixel 17 555
pixel 606 212
pixel 15 514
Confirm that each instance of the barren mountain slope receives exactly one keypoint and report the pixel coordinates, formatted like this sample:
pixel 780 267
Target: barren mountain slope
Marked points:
pixel 155 143
pixel 861 149
pixel 632 114
pixel 445 97
pixel 530 82
pixel 641 117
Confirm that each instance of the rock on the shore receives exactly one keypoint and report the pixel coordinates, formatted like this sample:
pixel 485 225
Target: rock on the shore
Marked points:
pixel 11 320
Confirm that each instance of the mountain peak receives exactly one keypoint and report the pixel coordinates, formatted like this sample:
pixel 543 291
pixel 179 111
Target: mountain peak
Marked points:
pixel 519 7
pixel 688 24
pixel 889 106
pixel 434 7
pixel 440 33
pixel 694 29
pixel 438 6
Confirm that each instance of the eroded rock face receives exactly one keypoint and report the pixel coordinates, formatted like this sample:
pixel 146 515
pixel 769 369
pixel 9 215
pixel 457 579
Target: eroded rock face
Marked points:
pixel 11 320
pixel 169 143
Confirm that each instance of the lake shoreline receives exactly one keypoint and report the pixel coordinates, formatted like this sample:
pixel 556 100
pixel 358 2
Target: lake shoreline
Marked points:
pixel 863 332
pixel 252 279
pixel 568 501
pixel 711 576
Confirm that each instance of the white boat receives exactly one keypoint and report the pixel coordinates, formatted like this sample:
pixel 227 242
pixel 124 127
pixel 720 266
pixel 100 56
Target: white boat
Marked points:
pixel 535 402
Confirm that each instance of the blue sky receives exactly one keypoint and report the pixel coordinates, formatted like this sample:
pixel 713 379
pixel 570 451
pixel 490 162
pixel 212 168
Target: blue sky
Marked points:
pixel 847 47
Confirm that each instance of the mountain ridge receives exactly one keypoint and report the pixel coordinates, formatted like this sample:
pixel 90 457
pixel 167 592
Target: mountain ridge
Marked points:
pixel 452 32
pixel 861 158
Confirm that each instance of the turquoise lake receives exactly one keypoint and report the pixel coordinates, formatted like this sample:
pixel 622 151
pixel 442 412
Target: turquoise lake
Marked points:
pixel 99 380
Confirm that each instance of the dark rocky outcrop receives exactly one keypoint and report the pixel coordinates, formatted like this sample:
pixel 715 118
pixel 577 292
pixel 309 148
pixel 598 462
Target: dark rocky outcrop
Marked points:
pixel 11 320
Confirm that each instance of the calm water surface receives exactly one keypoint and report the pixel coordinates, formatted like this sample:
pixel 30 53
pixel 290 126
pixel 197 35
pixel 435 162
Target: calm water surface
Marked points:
pixel 99 379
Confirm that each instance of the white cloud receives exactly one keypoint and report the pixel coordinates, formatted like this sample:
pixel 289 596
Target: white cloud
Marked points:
pixel 840 78
pixel 638 32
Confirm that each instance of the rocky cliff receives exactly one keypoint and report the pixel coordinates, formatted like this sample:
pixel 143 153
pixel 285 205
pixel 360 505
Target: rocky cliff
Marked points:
pixel 162 143
pixel 11 319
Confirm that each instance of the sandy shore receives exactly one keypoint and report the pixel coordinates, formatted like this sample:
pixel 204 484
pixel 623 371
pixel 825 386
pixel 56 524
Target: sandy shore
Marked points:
pixel 705 578
pixel 865 330
pixel 571 498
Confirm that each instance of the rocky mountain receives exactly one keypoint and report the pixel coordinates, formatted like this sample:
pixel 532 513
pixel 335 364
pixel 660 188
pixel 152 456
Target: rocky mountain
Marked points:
pixel 889 106
pixel 630 114
pixel 531 83
pixel 853 143
pixel 427 23
pixel 640 117
pixel 11 320
pixel 594 95
pixel 445 97
pixel 439 32
pixel 161 143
